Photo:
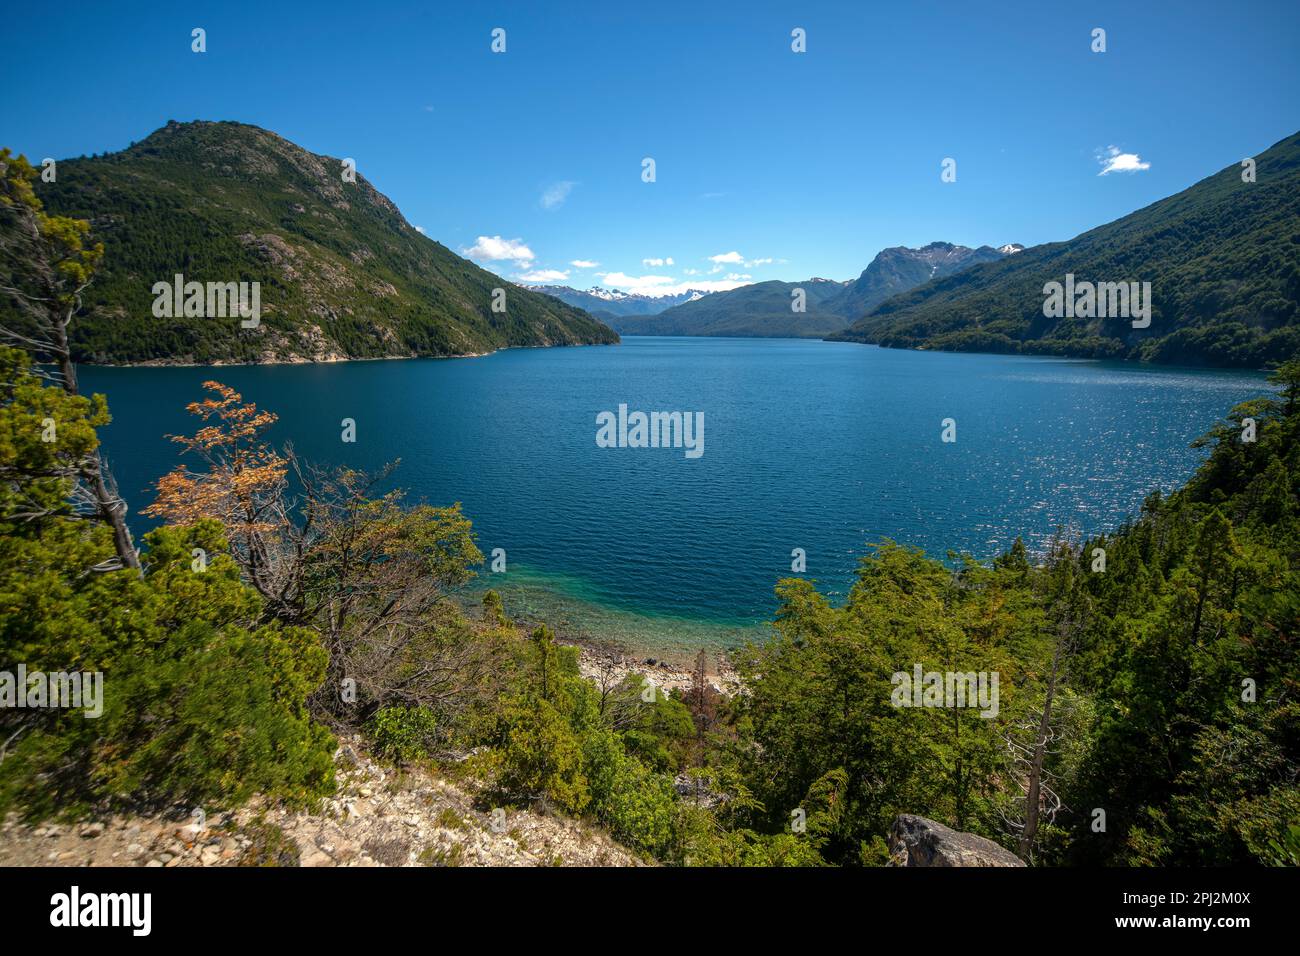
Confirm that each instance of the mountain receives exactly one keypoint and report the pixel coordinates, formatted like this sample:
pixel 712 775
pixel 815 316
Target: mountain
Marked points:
pixel 342 274
pixel 764 308
pixel 899 268
pixel 612 304
pixel 1222 259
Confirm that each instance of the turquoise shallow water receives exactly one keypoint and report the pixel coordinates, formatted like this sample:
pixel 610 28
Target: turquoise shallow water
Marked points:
pixel 813 445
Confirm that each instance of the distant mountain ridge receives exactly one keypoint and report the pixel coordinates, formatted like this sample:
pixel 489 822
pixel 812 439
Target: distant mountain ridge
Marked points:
pixel 761 310
pixel 342 273
pixel 613 303
pixel 1222 258
pixel 764 309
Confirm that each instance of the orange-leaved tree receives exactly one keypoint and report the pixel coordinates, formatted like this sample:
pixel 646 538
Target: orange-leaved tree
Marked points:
pixel 244 487
pixel 369 573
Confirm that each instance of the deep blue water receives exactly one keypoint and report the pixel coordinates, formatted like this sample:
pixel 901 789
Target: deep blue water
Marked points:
pixel 821 446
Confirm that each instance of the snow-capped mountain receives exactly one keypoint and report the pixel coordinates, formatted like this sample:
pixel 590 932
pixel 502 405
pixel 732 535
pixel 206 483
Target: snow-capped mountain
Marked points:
pixel 613 302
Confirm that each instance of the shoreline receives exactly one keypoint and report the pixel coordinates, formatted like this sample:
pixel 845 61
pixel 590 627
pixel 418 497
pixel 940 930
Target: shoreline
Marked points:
pixel 608 664
pixel 332 360
pixel 606 661
pixel 336 359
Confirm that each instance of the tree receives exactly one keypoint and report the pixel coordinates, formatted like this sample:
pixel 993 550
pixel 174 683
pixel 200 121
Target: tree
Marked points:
pixel 369 573
pixel 48 436
pixel 1215 549
pixel 1287 375
pixel 702 702
pixel 245 488
pixel 202 701
pixel 45 266
pixel 1033 738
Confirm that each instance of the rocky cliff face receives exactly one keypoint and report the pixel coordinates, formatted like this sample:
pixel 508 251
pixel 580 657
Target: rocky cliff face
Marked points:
pixel 916 841
pixel 899 269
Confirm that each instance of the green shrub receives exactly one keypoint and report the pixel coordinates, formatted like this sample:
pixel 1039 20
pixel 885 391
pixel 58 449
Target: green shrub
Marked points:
pixel 404 734
pixel 214 716
pixel 656 731
pixel 201 704
pixel 638 807
pixel 541 756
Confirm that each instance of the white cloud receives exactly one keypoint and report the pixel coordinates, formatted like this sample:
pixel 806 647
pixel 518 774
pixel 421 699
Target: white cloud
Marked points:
pixel 656 263
pixel 644 284
pixel 658 286
pixel 583 264
pixel 1113 161
pixel 420 230
pixel 553 196
pixel 735 258
pixel 543 275
pixel 497 249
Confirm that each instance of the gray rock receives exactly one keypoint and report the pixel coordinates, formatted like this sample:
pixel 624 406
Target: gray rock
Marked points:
pixel 313 857
pixel 916 841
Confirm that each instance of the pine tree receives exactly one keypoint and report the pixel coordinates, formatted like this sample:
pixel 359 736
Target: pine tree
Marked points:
pixel 45 266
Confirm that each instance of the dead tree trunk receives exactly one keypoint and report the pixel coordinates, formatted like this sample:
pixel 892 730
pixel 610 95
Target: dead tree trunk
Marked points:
pixel 1034 780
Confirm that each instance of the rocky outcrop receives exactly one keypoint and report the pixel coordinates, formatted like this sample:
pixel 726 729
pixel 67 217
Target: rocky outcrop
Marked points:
pixel 916 841
pixel 380 816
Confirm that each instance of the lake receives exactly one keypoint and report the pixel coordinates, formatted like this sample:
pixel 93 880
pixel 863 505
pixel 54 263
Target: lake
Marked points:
pixel 814 445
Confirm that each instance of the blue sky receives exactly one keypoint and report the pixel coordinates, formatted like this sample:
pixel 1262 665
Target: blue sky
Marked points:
pixel 784 165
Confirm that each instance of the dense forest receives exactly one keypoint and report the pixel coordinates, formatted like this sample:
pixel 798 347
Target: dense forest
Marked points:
pixel 342 273
pixel 1148 714
pixel 1222 257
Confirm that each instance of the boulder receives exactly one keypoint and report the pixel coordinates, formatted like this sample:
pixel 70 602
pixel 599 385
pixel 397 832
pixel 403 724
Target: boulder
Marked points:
pixel 916 841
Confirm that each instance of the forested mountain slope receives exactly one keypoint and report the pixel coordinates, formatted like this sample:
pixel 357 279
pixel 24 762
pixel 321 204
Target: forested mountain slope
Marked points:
pixel 342 273
pixel 1222 257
